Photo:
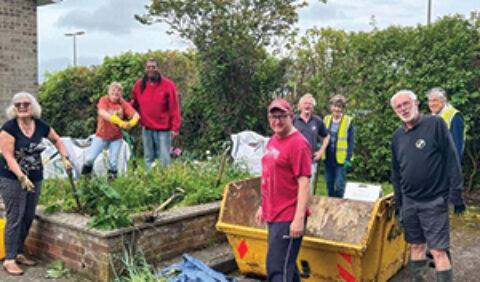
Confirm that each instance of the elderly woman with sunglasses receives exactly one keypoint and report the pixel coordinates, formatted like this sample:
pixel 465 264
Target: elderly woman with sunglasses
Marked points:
pixel 21 173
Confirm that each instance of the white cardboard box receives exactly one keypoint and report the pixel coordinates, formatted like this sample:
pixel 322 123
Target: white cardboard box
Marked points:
pixel 362 191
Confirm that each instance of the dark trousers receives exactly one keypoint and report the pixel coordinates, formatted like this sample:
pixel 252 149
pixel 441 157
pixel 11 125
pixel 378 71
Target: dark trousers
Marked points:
pixel 20 206
pixel 335 175
pixel 282 253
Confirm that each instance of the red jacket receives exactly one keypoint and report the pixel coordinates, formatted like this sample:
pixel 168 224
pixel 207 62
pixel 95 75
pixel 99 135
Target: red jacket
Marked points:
pixel 157 105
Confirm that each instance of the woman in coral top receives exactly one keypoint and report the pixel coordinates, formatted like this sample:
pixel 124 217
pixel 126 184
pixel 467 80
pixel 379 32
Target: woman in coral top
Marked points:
pixel 112 114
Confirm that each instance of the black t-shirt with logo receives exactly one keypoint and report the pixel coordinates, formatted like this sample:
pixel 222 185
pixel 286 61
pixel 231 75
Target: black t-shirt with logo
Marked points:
pixel 27 150
pixel 424 161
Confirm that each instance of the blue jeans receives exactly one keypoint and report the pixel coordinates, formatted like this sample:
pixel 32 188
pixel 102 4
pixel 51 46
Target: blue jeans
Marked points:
pixel 335 178
pixel 97 147
pixel 156 144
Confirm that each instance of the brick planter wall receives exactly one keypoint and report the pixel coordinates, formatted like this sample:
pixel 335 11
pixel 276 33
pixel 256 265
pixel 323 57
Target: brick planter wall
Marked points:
pixel 92 252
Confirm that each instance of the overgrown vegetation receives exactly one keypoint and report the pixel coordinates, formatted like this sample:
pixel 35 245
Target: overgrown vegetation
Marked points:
pixel 225 88
pixel 110 204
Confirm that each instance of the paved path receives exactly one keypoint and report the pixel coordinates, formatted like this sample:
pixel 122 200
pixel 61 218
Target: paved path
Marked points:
pixel 32 273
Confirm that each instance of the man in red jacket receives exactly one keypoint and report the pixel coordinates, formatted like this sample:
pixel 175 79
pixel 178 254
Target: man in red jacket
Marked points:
pixel 156 100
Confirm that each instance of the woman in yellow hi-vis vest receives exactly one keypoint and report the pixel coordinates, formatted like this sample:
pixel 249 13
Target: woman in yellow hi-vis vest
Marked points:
pixel 338 155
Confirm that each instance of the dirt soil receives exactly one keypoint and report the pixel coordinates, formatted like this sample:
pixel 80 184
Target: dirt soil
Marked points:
pixel 472 198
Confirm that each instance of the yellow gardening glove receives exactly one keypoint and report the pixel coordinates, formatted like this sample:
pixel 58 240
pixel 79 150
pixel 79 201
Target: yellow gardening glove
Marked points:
pixel 133 122
pixel 116 120
pixel 124 125
pixel 26 183
pixel 67 164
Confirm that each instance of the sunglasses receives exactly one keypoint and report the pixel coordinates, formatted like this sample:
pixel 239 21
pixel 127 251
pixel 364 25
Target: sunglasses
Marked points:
pixel 22 104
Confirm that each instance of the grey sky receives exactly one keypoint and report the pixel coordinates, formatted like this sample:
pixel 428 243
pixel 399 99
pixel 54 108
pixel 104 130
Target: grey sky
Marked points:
pixel 111 29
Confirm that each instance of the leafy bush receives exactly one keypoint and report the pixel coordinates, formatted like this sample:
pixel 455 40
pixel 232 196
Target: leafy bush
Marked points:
pixel 69 97
pixel 369 67
pixel 110 204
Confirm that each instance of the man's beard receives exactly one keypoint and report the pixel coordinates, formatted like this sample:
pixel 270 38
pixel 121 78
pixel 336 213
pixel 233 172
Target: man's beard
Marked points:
pixel 411 117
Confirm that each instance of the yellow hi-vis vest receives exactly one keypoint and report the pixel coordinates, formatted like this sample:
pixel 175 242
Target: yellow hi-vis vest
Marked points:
pixel 448 116
pixel 342 137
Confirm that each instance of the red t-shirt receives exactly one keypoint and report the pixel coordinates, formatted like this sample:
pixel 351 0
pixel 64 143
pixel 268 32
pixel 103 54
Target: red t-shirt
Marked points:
pixel 158 105
pixel 283 162
pixel 107 130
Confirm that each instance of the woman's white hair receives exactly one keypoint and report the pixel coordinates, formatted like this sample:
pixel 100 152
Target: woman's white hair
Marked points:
pixel 36 109
pixel 410 93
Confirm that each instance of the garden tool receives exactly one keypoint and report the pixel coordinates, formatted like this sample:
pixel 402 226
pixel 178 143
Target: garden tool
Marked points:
pixel 49 158
pixel 222 164
pixel 132 149
pixel 160 208
pixel 70 177
pixel 315 181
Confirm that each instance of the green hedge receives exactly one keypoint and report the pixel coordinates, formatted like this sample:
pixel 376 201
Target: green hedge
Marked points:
pixel 367 67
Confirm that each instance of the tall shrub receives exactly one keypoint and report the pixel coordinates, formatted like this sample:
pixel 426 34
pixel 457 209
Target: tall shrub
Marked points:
pixel 370 67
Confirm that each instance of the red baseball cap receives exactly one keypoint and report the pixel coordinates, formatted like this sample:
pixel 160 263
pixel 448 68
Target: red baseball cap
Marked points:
pixel 280 104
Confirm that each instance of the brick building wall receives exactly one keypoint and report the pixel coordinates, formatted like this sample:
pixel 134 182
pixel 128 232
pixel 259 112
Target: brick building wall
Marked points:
pixel 18 50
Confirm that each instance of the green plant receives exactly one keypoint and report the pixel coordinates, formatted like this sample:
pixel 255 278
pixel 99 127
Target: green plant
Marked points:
pixel 110 204
pixel 56 270
pixel 134 267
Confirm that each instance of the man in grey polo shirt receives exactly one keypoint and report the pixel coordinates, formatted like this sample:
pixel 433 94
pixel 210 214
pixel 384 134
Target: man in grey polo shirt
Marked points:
pixel 311 126
pixel 426 176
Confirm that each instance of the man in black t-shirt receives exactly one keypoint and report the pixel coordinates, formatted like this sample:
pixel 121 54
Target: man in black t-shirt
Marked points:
pixel 311 126
pixel 426 176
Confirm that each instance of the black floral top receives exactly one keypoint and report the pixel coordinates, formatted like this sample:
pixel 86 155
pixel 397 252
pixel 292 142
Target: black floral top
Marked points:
pixel 27 150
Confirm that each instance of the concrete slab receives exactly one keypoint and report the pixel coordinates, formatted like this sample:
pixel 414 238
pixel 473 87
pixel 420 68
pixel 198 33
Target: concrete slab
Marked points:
pixel 34 273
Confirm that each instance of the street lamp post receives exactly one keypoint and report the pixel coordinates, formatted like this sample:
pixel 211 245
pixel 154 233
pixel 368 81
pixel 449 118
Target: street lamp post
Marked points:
pixel 74 35
pixel 429 11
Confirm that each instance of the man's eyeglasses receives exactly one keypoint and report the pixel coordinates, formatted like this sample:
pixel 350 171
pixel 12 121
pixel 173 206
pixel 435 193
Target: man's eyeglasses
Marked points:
pixel 402 105
pixel 22 104
pixel 278 117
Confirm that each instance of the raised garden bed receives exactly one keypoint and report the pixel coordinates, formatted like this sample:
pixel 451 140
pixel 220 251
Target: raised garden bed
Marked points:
pixel 98 254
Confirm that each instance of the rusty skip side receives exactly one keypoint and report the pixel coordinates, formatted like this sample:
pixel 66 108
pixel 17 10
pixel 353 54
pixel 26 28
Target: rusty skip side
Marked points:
pixel 242 202
pixel 331 219
pixel 338 219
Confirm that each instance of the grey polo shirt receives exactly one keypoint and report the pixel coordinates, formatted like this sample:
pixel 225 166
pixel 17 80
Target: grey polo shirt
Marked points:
pixel 311 129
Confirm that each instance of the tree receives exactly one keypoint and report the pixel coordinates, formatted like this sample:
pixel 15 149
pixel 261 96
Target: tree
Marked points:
pixel 231 39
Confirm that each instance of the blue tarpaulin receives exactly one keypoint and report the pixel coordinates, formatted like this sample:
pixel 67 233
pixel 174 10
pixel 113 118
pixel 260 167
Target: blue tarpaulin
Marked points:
pixel 192 270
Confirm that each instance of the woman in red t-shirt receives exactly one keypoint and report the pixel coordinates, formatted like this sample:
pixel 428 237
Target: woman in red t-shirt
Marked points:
pixel 112 112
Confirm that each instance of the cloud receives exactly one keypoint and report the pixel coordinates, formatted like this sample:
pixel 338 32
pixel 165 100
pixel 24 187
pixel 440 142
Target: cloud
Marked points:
pixel 114 17
pixel 355 15
pixel 320 12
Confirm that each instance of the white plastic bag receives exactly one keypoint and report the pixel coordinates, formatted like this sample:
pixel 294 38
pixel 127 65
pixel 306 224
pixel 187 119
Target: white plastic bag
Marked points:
pixel 247 150
pixel 76 149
